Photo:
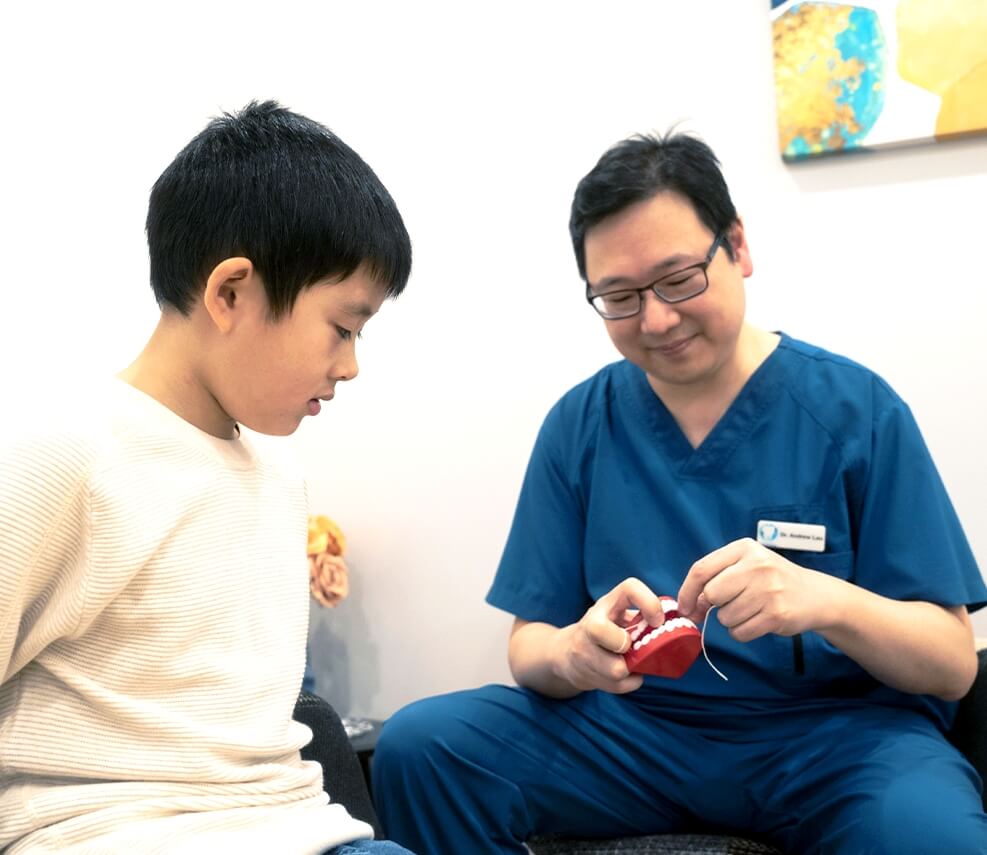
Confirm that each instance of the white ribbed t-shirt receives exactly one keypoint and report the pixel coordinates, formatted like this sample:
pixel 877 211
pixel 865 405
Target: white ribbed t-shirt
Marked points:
pixel 153 619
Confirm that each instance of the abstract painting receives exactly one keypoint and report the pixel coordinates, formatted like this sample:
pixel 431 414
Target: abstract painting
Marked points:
pixel 879 73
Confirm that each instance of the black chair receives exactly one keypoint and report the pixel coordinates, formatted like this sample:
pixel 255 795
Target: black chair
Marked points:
pixel 969 735
pixel 342 775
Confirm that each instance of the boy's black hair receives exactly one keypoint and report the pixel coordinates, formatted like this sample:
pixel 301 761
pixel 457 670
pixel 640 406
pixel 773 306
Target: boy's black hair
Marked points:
pixel 640 167
pixel 282 190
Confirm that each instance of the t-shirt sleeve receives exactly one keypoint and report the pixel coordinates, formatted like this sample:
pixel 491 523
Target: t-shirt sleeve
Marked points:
pixel 911 545
pixel 44 546
pixel 540 576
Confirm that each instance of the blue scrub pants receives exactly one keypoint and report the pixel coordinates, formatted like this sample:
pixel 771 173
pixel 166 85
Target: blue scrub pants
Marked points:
pixel 483 770
pixel 368 847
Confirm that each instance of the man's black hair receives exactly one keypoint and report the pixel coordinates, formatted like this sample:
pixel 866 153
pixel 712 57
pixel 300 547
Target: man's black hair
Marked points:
pixel 282 190
pixel 642 166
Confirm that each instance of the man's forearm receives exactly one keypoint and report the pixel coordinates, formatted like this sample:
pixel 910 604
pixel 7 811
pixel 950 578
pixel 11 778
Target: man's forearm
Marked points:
pixel 530 659
pixel 916 647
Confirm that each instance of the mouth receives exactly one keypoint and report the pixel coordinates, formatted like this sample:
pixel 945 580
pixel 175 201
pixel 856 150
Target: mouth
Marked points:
pixel 667 650
pixel 315 404
pixel 674 348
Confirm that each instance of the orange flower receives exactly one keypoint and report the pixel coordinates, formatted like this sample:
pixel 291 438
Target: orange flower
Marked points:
pixel 324 536
pixel 328 573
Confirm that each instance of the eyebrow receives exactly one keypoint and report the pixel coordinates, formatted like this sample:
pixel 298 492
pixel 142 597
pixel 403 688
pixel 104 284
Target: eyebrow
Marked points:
pixel 670 264
pixel 361 310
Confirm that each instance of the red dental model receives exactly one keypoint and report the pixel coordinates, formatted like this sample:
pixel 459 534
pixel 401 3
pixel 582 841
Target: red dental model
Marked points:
pixel 667 650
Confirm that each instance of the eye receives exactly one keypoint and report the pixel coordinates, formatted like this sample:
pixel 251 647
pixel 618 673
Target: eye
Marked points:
pixel 346 334
pixel 618 298
pixel 688 278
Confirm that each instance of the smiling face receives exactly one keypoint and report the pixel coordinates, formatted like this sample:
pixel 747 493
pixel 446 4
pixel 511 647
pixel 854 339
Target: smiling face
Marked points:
pixel 690 343
pixel 277 372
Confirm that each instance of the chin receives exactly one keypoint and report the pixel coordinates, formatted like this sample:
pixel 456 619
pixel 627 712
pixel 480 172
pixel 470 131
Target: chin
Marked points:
pixel 288 431
pixel 284 427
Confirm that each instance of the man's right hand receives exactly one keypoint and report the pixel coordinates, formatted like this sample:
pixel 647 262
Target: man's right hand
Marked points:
pixel 588 654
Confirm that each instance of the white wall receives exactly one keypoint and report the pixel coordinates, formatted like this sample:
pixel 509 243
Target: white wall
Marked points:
pixel 480 119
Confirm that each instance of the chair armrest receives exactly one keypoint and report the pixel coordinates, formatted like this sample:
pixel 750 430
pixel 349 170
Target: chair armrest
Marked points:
pixel 969 732
pixel 342 775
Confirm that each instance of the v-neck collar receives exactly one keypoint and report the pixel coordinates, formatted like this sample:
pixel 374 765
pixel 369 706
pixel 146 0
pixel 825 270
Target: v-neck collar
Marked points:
pixel 735 425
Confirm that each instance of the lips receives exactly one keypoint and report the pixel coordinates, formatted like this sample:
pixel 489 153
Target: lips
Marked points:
pixel 665 651
pixel 674 347
pixel 315 404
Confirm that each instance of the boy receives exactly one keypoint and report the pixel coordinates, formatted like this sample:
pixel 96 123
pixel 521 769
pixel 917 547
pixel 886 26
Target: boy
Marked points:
pixel 153 578
pixel 671 472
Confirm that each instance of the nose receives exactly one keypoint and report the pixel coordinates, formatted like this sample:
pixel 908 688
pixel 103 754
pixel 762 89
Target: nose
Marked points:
pixel 346 367
pixel 657 316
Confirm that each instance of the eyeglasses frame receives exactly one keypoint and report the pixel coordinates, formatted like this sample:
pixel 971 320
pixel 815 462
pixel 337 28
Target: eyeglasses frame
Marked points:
pixel 653 286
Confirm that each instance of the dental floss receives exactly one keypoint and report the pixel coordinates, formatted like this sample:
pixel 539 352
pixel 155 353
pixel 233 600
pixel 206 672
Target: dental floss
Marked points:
pixel 702 639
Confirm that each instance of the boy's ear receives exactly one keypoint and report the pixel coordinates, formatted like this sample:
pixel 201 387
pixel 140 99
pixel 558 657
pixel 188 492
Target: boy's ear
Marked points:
pixel 232 284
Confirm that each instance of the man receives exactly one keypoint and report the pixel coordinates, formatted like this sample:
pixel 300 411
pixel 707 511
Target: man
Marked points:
pixel 843 636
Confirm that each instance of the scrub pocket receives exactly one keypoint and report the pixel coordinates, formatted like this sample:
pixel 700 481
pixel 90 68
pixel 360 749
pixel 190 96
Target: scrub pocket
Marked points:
pixel 806 664
pixel 815 664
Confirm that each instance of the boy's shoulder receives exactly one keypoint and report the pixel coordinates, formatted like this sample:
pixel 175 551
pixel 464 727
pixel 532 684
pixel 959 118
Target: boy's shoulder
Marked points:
pixel 107 424
pixel 64 436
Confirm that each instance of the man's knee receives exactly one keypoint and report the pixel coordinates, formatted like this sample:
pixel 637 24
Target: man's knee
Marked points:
pixel 916 814
pixel 409 733
pixel 434 730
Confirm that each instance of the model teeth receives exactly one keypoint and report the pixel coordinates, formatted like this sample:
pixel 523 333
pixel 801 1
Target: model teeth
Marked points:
pixel 668 626
pixel 669 605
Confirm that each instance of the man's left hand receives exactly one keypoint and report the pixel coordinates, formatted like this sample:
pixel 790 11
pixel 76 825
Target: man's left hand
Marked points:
pixel 756 590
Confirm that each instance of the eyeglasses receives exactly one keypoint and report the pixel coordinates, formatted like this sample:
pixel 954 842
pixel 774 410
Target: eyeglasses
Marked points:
pixel 676 287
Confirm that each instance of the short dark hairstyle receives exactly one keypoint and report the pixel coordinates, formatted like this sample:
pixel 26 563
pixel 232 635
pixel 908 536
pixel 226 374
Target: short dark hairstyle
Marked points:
pixel 282 190
pixel 642 166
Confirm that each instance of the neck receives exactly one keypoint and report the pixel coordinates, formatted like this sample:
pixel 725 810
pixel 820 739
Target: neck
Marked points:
pixel 698 406
pixel 165 370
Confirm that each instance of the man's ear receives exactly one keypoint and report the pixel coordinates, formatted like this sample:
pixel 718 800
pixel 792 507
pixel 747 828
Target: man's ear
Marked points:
pixel 738 244
pixel 232 284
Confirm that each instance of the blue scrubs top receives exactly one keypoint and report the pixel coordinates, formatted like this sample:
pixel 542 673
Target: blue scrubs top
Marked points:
pixel 614 489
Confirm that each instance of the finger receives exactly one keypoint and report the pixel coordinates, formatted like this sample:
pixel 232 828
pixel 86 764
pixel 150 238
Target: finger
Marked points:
pixel 737 611
pixel 613 671
pixel 629 618
pixel 728 584
pixel 630 683
pixel 633 594
pixel 699 614
pixel 604 633
pixel 703 571
pixel 605 622
pixel 755 627
pixel 612 676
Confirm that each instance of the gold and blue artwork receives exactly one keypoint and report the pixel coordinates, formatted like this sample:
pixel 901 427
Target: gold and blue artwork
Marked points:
pixel 887 72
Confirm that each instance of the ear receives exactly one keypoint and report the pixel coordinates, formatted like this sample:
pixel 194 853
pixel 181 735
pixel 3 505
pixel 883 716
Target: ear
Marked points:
pixel 231 286
pixel 738 243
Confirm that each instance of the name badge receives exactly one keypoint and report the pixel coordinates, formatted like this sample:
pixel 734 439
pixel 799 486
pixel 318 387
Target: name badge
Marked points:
pixel 790 535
